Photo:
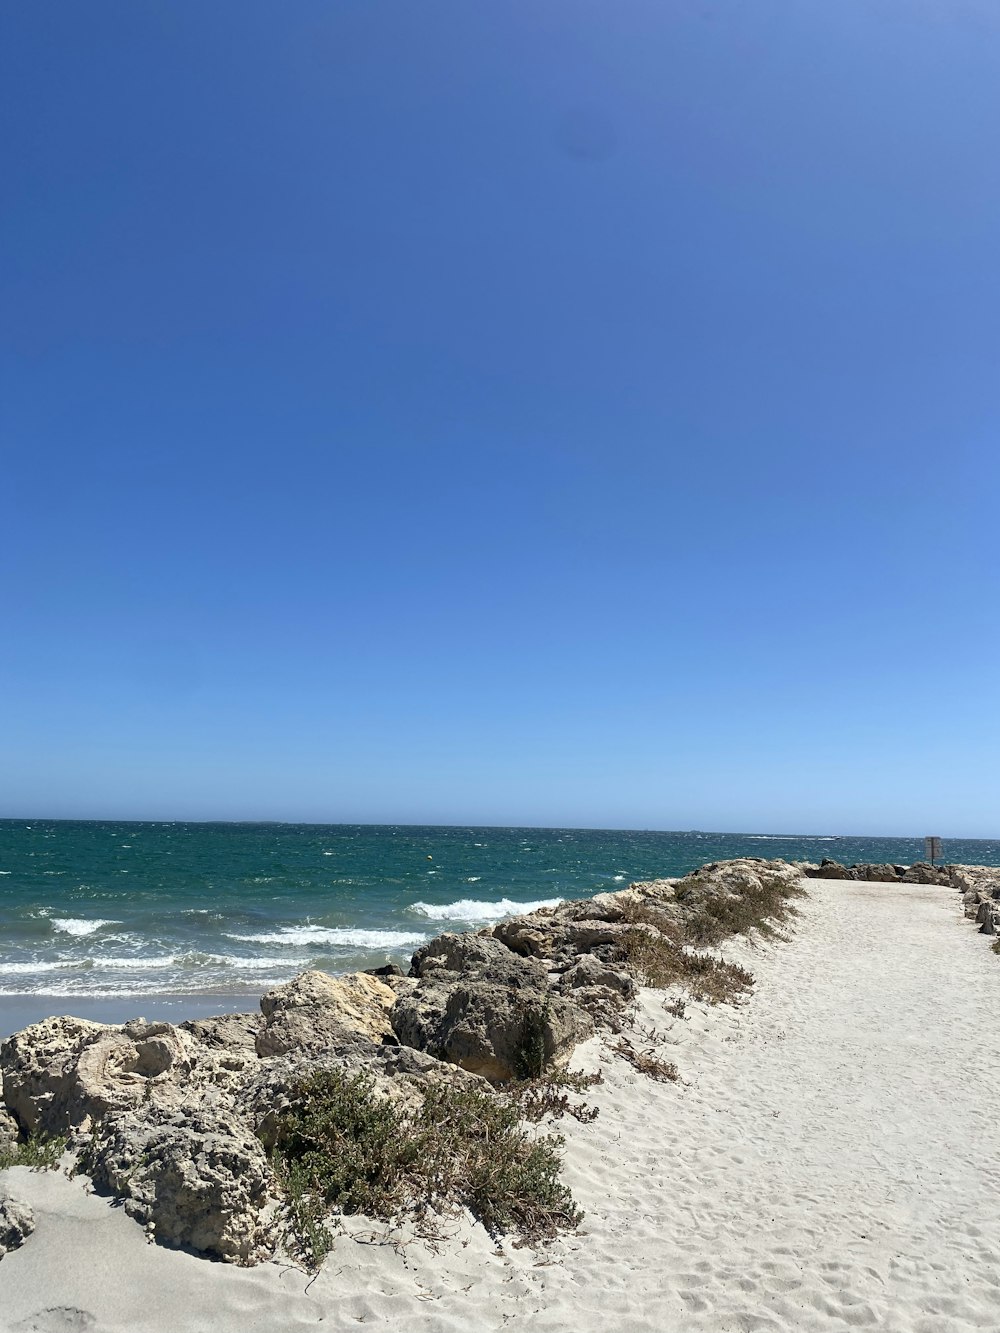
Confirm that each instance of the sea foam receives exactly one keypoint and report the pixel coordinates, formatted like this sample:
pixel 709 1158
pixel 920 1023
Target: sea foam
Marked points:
pixel 470 909
pixel 344 936
pixel 74 925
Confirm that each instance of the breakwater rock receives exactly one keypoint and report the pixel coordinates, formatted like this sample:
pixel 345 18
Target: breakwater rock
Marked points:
pixel 179 1121
pixel 980 890
pixel 921 872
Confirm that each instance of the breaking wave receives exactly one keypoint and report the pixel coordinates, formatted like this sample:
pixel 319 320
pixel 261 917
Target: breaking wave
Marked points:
pixel 470 909
pixel 344 936
pixel 75 925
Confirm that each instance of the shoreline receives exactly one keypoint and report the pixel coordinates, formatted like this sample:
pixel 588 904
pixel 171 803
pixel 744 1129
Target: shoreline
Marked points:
pixel 21 1011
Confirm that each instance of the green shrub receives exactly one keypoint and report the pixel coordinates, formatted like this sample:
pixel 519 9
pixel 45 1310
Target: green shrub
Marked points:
pixel 342 1146
pixel 550 1096
pixel 529 1059
pixel 40 1152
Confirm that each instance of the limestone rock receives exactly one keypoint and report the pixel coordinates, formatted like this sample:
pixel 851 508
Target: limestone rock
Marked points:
pixel 228 1032
pixel 64 1074
pixel 9 1128
pixel 487 1028
pixel 828 869
pixel 39 1072
pixel 885 873
pixel 921 872
pixel 591 971
pixel 197 1179
pixel 317 1011
pixel 451 956
pixel 17 1222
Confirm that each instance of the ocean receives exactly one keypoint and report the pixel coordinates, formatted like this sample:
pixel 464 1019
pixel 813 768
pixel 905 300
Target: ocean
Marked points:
pixel 103 918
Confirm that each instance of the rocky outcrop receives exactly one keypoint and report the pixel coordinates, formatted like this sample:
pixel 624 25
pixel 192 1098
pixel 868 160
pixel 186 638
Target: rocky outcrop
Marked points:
pixel 17 1222
pixel 9 1128
pixel 197 1177
pixel 498 1031
pixel 922 872
pixel 482 1007
pixel 64 1074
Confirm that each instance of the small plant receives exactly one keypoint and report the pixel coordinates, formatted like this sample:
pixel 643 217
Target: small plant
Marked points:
pixel 995 946
pixel 38 1151
pixel 307 1212
pixel 529 1060
pixel 676 1008
pixel 646 1062
pixel 341 1146
pixel 550 1096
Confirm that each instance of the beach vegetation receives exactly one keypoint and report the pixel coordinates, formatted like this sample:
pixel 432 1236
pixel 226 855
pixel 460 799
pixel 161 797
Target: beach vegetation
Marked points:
pixel 40 1152
pixel 552 1095
pixel 995 946
pixel 530 1056
pixel 717 913
pixel 343 1146
pixel 645 1060
pixel 662 962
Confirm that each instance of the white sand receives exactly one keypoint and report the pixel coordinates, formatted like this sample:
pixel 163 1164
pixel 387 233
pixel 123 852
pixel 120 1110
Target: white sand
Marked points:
pixel 829 1163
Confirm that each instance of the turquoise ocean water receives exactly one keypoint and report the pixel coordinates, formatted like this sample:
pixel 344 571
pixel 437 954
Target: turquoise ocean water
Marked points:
pixel 124 912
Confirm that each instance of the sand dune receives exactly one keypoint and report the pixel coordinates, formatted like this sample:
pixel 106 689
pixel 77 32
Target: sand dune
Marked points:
pixel 829 1161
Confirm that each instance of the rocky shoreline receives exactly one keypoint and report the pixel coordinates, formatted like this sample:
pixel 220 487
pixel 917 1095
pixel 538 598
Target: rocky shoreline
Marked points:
pixel 179 1122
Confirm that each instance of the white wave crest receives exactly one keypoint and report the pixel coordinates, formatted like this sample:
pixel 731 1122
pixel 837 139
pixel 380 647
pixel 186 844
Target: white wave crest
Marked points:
pixel 469 909
pixel 182 961
pixel 75 925
pixel 343 936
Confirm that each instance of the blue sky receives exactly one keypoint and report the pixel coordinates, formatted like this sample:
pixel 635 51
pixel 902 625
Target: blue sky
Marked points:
pixel 547 413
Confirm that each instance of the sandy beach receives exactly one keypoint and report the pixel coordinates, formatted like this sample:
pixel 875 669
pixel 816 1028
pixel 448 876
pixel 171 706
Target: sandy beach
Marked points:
pixel 827 1161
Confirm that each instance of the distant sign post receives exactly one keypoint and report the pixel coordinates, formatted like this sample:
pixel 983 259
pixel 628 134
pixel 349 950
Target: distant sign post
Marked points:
pixel 932 849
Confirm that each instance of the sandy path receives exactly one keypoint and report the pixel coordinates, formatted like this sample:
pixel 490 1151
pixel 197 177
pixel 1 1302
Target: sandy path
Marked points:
pixel 829 1163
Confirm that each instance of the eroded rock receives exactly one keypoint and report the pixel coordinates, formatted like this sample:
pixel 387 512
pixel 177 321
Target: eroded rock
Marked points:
pixel 493 1030
pixel 196 1178
pixel 17 1222
pixel 317 1011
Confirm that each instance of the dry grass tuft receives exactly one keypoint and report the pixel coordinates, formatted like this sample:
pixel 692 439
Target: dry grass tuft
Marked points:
pixel 646 1062
pixel 661 962
pixel 716 914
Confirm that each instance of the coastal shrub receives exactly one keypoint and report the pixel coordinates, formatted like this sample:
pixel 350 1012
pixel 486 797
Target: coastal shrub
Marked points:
pixel 715 915
pixel 550 1095
pixel 38 1151
pixel 529 1058
pixel 995 946
pixel 341 1146
pixel 662 962
pixel 648 913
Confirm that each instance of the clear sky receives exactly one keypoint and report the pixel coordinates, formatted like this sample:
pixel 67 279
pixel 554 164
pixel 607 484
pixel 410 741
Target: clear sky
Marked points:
pixel 567 413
